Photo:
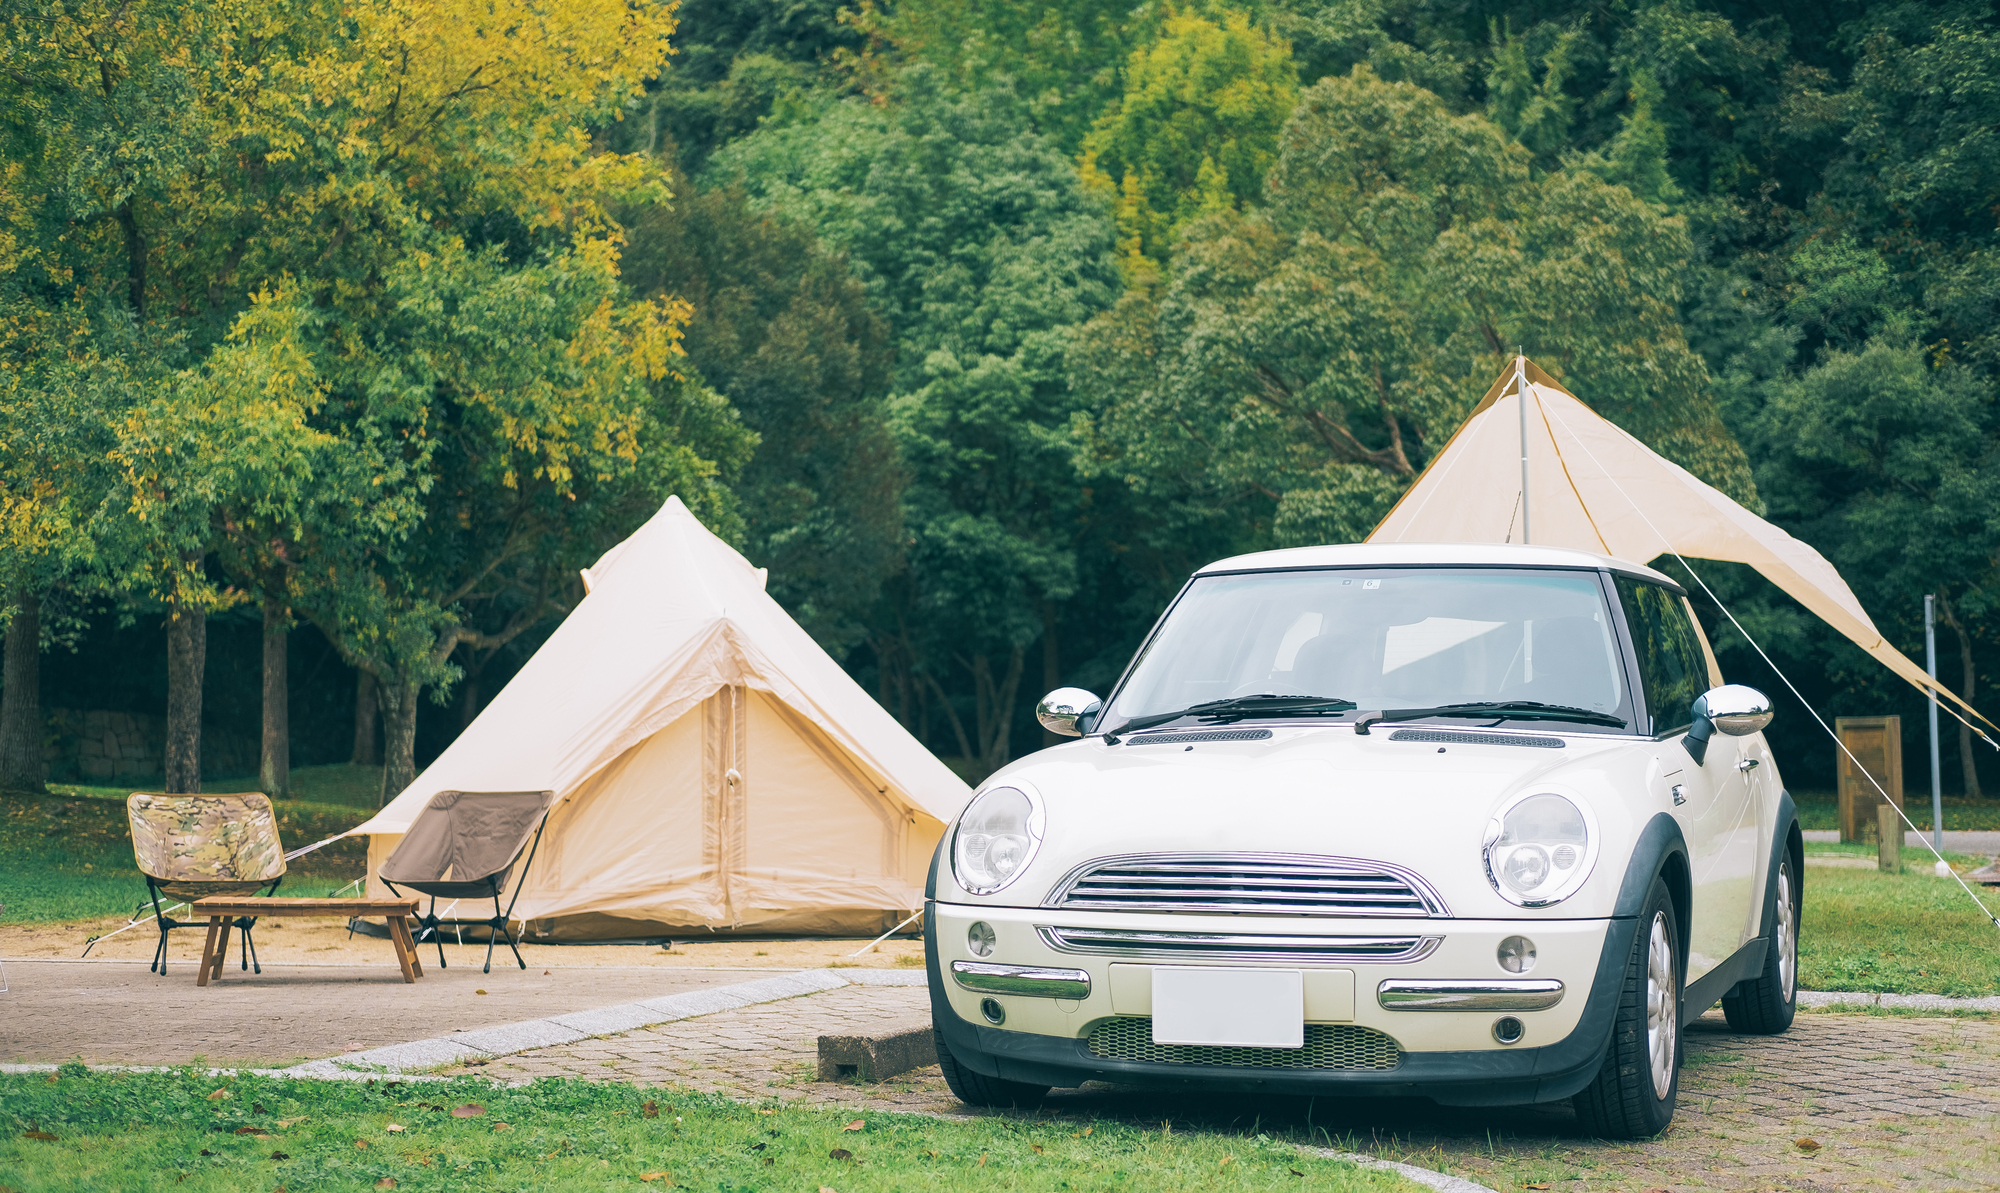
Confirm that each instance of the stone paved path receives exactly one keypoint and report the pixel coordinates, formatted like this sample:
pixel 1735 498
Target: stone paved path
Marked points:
pixel 115 1012
pixel 1884 1102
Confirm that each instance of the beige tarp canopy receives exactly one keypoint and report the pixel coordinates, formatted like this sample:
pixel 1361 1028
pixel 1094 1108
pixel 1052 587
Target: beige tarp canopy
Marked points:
pixel 1593 487
pixel 714 768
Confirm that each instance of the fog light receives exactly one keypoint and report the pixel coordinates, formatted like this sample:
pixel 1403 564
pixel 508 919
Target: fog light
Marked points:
pixel 979 938
pixel 1509 1030
pixel 1516 953
pixel 997 1014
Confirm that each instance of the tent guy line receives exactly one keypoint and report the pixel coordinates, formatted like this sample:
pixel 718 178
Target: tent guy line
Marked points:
pixel 1754 645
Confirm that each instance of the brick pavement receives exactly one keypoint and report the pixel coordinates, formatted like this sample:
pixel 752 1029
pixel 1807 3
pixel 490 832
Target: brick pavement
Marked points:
pixel 1889 1102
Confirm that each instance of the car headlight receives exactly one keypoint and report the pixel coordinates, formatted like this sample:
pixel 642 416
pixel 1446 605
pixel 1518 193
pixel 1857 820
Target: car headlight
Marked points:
pixel 996 839
pixel 1539 849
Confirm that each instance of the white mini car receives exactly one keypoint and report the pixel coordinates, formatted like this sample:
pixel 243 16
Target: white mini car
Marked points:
pixel 1474 823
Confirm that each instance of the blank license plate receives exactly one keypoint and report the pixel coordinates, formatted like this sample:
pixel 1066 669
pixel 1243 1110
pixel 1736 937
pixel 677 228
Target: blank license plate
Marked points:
pixel 1251 1008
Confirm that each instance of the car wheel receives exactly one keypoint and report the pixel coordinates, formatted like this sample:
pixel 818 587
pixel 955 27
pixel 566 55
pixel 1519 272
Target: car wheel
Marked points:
pixel 1633 1094
pixel 977 1089
pixel 1764 1005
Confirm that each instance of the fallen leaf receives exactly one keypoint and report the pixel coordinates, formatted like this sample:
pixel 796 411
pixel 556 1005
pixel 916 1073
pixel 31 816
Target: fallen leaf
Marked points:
pixel 286 1122
pixel 982 1159
pixel 657 1176
pixel 469 1110
pixel 394 1128
pixel 361 1144
pixel 758 1147
pixel 256 1108
pixel 1037 1147
pixel 250 1131
pixel 931 1154
pixel 1537 1185
pixel 856 1125
pixel 387 1182
pixel 1088 1130
pixel 474 1064
pixel 545 973
pixel 828 1189
pixel 479 991
pixel 218 1095
pixel 1226 1161
pixel 281 1155
pixel 206 1152
pixel 1806 1145
pixel 502 1127
pixel 840 1153
pixel 44 1136
pixel 1294 1172
pixel 651 1109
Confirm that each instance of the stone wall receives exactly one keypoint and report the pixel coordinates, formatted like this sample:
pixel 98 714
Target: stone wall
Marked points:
pixel 99 746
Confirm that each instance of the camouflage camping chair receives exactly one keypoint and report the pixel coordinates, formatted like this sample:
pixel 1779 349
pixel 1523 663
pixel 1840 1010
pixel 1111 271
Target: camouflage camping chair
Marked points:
pixel 463 845
pixel 193 846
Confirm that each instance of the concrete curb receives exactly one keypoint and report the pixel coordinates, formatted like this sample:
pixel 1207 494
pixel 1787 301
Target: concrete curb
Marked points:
pixel 1915 1002
pixel 1422 1176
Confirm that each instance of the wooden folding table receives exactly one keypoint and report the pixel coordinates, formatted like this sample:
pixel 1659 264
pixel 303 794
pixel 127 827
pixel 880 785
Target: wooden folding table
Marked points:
pixel 222 912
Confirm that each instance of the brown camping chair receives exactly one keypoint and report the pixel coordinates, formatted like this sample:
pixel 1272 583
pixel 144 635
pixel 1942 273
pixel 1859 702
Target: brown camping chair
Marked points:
pixel 192 846
pixel 463 846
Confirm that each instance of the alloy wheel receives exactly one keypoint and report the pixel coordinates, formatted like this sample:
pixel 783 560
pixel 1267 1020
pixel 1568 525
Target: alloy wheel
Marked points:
pixel 1788 934
pixel 1662 1010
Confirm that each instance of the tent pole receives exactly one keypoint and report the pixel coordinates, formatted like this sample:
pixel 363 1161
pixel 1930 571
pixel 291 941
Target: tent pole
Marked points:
pixel 1521 399
pixel 1930 665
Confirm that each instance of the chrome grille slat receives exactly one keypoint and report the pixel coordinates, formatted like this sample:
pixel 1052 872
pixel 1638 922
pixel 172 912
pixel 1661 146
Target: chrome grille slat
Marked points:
pixel 1223 946
pixel 1246 884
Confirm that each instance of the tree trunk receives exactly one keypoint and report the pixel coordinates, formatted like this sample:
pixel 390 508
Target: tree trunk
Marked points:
pixel 468 701
pixel 1051 664
pixel 21 699
pixel 1966 758
pixel 187 659
pixel 399 737
pixel 274 767
pixel 367 751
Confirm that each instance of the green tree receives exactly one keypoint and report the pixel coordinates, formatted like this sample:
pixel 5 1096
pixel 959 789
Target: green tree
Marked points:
pixel 1315 351
pixel 980 249
pixel 1195 130
pixel 783 329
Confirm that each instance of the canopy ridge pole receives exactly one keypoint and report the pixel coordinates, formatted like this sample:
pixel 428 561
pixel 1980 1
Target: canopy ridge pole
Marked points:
pixel 1664 541
pixel 1521 399
pixel 1930 665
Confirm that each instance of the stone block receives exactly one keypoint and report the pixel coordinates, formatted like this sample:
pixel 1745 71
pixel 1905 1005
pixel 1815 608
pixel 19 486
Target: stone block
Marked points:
pixel 879 1055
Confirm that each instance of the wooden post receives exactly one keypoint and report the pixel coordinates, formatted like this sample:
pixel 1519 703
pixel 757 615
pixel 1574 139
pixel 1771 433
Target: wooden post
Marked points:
pixel 1888 839
pixel 1877 744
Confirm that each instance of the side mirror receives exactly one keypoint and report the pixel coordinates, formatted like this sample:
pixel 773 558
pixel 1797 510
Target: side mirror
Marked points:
pixel 1068 711
pixel 1733 709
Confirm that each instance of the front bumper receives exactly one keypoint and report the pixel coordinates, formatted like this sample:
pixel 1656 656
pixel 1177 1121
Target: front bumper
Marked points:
pixel 1450 1055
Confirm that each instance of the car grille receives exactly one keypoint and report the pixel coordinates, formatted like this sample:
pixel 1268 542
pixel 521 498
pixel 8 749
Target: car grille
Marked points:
pixel 1328 1046
pixel 1246 884
pixel 1200 947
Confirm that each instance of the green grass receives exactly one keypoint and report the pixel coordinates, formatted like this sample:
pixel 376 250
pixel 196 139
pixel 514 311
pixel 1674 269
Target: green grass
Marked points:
pixel 69 856
pixel 1908 933
pixel 1821 810
pixel 161 1131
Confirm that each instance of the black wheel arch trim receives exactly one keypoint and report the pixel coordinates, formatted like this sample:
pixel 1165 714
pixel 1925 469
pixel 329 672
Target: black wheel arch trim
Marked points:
pixel 1787 841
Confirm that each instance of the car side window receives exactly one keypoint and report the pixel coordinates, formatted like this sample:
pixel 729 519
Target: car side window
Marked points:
pixel 1672 667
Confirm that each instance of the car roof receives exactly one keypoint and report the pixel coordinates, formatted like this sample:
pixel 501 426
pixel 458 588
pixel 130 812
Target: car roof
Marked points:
pixel 1346 555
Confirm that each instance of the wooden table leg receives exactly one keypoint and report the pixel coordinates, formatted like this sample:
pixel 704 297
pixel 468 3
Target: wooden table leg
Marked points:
pixel 409 939
pixel 399 936
pixel 208 951
pixel 222 945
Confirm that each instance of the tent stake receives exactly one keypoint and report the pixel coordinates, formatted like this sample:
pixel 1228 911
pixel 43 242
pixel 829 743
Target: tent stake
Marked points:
pixel 886 935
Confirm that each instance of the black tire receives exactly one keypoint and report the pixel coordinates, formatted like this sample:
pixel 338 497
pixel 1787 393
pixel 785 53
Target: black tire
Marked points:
pixel 1626 1100
pixel 1764 1005
pixel 977 1089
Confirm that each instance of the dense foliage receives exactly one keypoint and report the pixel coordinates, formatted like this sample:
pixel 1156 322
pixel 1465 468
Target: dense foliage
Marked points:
pixel 979 323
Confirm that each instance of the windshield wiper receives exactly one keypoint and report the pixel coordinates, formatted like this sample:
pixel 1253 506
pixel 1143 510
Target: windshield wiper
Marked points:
pixel 1504 710
pixel 1237 707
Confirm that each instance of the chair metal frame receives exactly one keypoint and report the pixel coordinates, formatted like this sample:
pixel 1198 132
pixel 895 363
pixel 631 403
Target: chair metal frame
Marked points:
pixel 168 923
pixel 430 922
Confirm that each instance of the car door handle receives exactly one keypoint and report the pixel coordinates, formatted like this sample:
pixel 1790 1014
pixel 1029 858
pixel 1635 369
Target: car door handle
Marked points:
pixel 1747 765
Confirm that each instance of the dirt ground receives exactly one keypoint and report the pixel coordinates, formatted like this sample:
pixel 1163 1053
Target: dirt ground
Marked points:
pixel 310 941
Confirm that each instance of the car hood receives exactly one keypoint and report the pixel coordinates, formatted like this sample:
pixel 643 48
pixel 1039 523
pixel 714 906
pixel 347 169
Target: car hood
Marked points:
pixel 1420 804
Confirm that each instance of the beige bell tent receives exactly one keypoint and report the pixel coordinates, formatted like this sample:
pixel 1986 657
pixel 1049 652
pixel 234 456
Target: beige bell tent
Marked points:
pixel 714 768
pixel 1591 486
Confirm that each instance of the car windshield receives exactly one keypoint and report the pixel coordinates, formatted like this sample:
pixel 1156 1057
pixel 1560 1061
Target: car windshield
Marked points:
pixel 1385 638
